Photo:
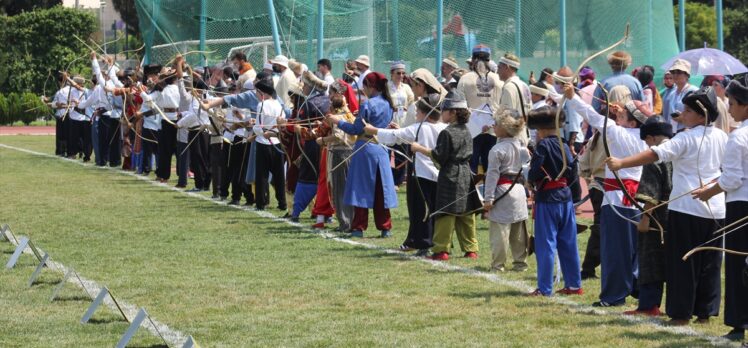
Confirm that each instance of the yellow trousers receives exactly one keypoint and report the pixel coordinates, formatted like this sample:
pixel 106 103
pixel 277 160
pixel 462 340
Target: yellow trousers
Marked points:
pixel 464 226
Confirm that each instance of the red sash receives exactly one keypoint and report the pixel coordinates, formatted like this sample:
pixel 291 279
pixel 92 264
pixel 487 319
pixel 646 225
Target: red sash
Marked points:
pixel 631 187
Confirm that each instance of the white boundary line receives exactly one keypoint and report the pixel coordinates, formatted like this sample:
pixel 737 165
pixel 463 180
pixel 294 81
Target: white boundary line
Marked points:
pixel 494 278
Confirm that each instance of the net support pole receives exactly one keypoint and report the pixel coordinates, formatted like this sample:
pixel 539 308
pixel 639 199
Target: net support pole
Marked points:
pixel 439 33
pixel 274 27
pixel 518 29
pixel 720 36
pixel 562 33
pixel 682 24
pixel 396 29
pixel 320 28
pixel 203 24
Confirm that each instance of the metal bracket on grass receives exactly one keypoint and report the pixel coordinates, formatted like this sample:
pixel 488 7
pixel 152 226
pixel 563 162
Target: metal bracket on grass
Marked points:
pixel 71 272
pixel 38 269
pixel 190 343
pixel 17 254
pixel 136 323
pixel 8 234
pixel 97 301
pixel 36 251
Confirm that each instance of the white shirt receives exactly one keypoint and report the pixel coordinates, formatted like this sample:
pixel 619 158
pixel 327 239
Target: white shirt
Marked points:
pixel 61 96
pixel 75 97
pixel 230 119
pixel 481 90
pixel 401 97
pixel 359 85
pixel 506 157
pixel 427 137
pixel 113 104
pixel 623 142
pixel 734 179
pixel 269 112
pixel 692 158
pixel 152 122
pixel 285 82
pixel 329 80
pixel 95 98
pixel 168 98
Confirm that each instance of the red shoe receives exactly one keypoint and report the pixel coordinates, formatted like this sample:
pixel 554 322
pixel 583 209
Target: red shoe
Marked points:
pixel 442 256
pixel 471 255
pixel 319 225
pixel 568 291
pixel 654 312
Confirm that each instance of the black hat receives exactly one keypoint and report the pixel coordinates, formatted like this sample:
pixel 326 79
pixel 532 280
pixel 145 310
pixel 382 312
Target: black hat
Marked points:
pixel 544 117
pixel 702 100
pixel 265 86
pixel 655 126
pixel 152 69
pixel 738 89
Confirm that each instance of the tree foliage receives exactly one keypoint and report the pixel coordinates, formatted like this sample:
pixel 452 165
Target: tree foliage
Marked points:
pixel 701 26
pixel 126 9
pixel 14 7
pixel 41 43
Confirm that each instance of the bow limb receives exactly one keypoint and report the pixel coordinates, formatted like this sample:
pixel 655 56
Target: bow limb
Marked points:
pixel 704 248
pixel 615 173
pixel 597 54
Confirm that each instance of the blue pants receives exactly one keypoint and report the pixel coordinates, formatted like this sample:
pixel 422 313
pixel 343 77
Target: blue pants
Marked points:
pixel 617 254
pixel 183 163
pixel 482 145
pixel 650 295
pixel 556 230
pixel 304 194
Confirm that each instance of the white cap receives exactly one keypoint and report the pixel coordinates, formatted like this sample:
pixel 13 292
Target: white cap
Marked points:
pixel 363 59
pixel 539 91
pixel 280 60
pixel 681 65
pixel 509 62
pixel 248 85
pixel 267 66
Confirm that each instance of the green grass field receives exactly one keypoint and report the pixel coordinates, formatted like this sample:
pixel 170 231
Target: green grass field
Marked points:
pixel 232 278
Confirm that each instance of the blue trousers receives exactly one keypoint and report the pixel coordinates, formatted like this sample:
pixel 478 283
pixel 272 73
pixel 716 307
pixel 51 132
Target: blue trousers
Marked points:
pixel 617 254
pixel 482 145
pixel 183 163
pixel 304 194
pixel 556 231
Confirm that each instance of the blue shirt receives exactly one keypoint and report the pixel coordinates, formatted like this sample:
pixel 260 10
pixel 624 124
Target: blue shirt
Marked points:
pixel 673 102
pixel 547 161
pixel 249 100
pixel 573 123
pixel 618 79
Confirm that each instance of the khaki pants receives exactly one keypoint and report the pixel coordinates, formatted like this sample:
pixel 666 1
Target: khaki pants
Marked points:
pixel 512 235
pixel 464 226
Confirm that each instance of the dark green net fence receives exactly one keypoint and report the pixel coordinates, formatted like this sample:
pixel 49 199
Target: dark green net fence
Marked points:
pixel 406 30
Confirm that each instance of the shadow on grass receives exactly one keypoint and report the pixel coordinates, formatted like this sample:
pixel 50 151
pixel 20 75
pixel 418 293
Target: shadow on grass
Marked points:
pixel 41 283
pixel 107 320
pixel 488 295
pixel 72 298
pixel 150 346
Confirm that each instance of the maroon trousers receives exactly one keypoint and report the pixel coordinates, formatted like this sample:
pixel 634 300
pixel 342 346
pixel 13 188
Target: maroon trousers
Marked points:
pixel 381 215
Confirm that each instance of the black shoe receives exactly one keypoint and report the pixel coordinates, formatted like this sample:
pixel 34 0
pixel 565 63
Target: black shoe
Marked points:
pixel 193 190
pixel 606 304
pixel 735 335
pixel 287 215
pixel 222 198
pixel 293 219
pixel 249 204
pixel 234 202
pixel 258 208
pixel 214 197
pixel 282 208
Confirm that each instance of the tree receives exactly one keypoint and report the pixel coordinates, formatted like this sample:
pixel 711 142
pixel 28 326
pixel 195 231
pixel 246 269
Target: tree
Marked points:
pixel 701 26
pixel 126 9
pixel 3 109
pixel 736 42
pixel 14 7
pixel 40 43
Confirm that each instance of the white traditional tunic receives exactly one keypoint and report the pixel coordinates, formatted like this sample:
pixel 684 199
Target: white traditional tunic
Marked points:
pixel 696 157
pixel 734 179
pixel 402 97
pixel 270 111
pixel 506 158
pixel 426 136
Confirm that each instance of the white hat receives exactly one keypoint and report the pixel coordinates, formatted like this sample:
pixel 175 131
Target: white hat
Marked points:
pixel 509 62
pixel 681 65
pixel 451 63
pixel 539 91
pixel 363 59
pixel 267 66
pixel 248 85
pixel 397 65
pixel 280 60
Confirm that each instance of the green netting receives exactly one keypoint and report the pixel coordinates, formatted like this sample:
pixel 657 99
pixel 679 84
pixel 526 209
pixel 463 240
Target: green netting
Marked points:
pixel 387 30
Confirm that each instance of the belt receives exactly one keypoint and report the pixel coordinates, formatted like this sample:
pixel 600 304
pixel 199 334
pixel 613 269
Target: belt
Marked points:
pixel 554 184
pixel 170 110
pixel 631 187
pixel 80 111
pixel 508 179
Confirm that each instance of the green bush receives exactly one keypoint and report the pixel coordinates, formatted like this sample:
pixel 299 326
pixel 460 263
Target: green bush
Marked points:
pixel 14 104
pixel 3 109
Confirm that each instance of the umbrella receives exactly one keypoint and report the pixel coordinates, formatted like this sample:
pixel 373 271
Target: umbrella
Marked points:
pixel 709 61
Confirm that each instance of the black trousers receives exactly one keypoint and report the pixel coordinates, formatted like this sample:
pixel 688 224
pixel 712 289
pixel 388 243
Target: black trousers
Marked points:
pixel 398 173
pixel 482 145
pixel 61 135
pixel 693 286
pixel 576 186
pixel 420 234
pixel 150 148
pixel 109 141
pixel 167 148
pixel 217 166
pixel 79 139
pixel 736 289
pixel 592 254
pixel 236 156
pixel 199 158
pixel 269 160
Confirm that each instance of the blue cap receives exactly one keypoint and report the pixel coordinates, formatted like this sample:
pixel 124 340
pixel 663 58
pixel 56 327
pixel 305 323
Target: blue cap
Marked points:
pixel 481 49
